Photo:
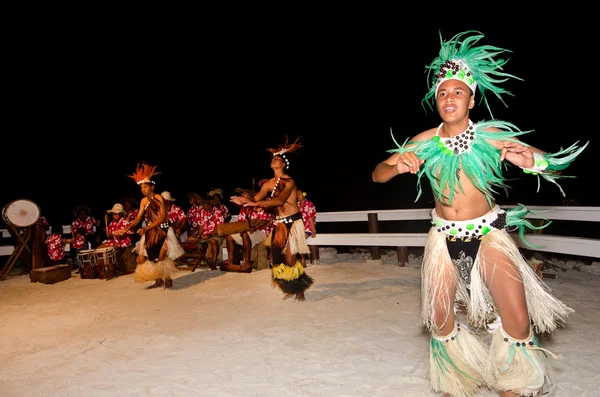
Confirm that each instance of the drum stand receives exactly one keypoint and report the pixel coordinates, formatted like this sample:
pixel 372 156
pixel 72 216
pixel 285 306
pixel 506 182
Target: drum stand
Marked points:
pixel 22 249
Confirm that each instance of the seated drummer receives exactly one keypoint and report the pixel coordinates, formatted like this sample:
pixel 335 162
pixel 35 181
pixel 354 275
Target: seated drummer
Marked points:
pixel 205 234
pixel 119 222
pixel 261 223
pixel 78 243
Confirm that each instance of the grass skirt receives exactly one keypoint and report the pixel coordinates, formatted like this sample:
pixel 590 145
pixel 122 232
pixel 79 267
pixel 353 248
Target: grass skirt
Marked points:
pixel 150 271
pixel 291 280
pixel 545 311
pixel 296 239
pixel 153 270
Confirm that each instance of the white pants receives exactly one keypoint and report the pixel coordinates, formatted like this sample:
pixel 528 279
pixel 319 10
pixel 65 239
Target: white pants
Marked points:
pixel 256 237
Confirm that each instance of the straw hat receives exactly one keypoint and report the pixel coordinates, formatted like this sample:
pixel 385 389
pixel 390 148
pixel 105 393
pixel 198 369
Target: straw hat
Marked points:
pixel 167 196
pixel 116 209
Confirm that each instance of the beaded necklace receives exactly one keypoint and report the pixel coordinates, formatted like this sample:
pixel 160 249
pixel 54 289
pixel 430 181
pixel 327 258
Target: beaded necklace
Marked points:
pixel 455 144
pixel 275 187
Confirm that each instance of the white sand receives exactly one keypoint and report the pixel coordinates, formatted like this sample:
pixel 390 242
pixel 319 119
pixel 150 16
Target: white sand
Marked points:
pixel 229 334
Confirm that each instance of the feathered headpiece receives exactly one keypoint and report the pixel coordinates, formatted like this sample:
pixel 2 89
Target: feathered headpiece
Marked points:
pixel 143 173
pixel 286 148
pixel 476 66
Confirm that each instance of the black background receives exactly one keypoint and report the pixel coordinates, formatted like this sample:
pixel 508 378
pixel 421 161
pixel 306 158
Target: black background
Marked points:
pixel 203 103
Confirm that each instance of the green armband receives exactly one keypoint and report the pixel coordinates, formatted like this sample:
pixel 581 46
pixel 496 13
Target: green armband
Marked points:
pixel 550 165
pixel 540 163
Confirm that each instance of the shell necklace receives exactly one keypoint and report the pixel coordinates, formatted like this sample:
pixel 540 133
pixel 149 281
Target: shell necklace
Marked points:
pixel 275 187
pixel 455 144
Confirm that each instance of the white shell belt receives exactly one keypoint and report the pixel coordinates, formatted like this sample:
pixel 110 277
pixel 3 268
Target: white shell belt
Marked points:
pixel 473 228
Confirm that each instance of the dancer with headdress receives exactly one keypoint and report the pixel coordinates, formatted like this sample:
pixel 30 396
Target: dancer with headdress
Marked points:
pixel 469 254
pixel 287 239
pixel 158 247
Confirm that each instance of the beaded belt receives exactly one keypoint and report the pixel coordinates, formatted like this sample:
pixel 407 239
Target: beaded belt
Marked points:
pixel 288 219
pixel 473 228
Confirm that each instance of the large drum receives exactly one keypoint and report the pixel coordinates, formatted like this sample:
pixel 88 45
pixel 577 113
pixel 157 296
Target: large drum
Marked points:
pixel 21 213
pixel 88 263
pixel 106 260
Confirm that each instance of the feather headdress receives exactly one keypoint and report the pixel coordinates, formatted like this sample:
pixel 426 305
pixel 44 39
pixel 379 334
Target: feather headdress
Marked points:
pixel 460 59
pixel 143 173
pixel 286 148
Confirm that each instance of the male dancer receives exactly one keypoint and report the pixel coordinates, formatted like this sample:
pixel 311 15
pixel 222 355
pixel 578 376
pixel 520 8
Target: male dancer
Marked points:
pixel 469 253
pixel 158 247
pixel 287 239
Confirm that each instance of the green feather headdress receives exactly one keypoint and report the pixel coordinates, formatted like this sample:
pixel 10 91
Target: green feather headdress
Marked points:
pixel 459 58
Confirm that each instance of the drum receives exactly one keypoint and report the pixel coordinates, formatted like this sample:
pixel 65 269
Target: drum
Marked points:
pixel 126 260
pixel 87 263
pixel 21 213
pixel 189 246
pixel 106 260
pixel 225 229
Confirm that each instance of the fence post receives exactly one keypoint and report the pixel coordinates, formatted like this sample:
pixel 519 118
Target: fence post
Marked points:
pixel 402 256
pixel 374 228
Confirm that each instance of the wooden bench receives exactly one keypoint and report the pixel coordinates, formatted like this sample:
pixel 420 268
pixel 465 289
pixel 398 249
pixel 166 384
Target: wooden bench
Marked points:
pixel 51 274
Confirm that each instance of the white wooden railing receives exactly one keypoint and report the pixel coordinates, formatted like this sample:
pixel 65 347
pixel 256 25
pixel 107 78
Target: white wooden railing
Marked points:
pixel 548 243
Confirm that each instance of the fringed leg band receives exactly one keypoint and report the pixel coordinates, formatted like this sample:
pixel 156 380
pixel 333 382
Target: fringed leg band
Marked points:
pixel 150 270
pixel 519 365
pixel 457 362
pixel 291 279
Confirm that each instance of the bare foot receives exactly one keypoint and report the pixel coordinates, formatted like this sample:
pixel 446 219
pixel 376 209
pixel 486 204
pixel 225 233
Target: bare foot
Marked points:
pixel 287 296
pixel 507 394
pixel 169 283
pixel 300 296
pixel 157 283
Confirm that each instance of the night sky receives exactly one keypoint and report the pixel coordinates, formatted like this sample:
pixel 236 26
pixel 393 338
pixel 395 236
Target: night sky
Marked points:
pixel 205 112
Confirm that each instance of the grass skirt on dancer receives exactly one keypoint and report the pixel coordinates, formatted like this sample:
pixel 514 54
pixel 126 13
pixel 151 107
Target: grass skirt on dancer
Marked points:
pixel 292 279
pixel 511 364
pixel 153 270
pixel 546 311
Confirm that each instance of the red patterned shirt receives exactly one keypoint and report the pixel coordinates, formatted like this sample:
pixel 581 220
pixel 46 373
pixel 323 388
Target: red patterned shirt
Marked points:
pixel 257 213
pixel 308 211
pixel 210 219
pixel 225 211
pixel 88 224
pixel 123 241
pixel 43 221
pixel 194 218
pixel 56 247
pixel 176 214
pixel 132 214
pixel 79 242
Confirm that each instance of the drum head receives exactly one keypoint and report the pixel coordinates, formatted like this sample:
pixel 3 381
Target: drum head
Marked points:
pixel 21 213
